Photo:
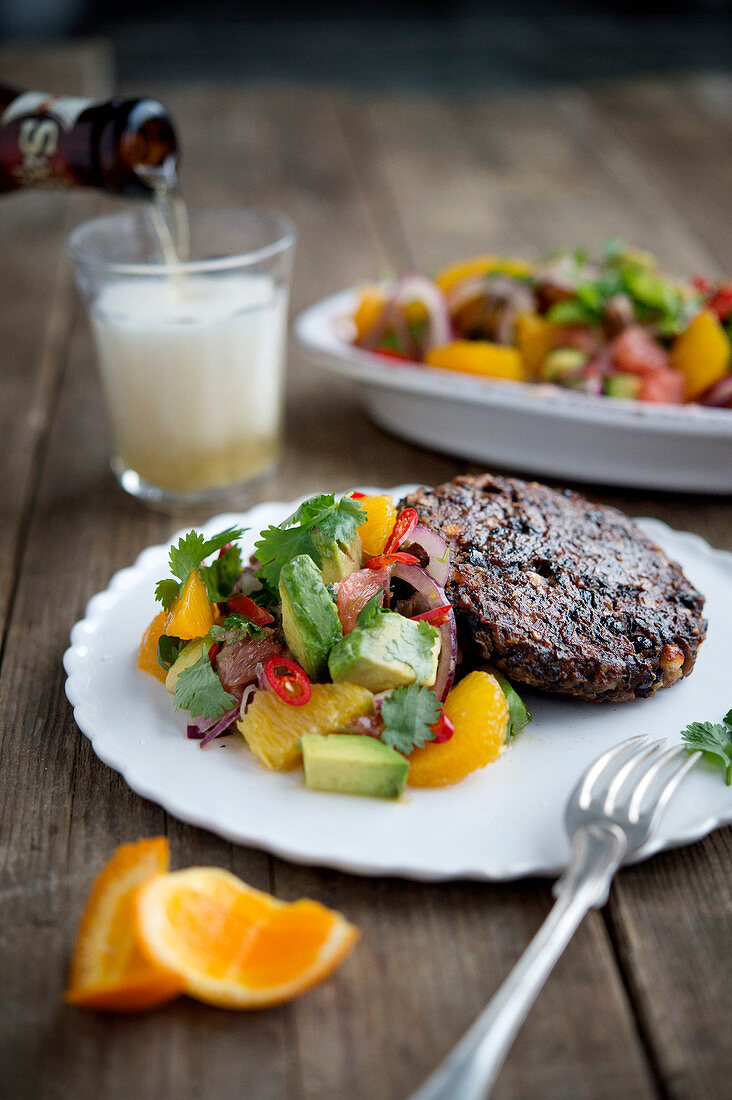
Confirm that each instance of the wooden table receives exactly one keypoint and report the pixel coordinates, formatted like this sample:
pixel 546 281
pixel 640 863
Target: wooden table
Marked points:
pixel 640 1004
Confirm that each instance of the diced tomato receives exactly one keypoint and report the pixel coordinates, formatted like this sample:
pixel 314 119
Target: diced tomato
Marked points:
pixel 665 385
pixel 387 353
pixel 635 352
pixel 355 591
pixel 253 611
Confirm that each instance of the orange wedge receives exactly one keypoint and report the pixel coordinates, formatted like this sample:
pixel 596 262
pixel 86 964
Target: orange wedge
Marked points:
pixel 236 947
pixel 192 614
pixel 147 658
pixel 108 971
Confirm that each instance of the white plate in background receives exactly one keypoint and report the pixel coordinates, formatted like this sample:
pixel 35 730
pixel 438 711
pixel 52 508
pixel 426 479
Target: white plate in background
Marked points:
pixel 502 822
pixel 539 429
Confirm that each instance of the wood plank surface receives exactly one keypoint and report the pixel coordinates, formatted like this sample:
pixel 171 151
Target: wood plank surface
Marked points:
pixel 374 184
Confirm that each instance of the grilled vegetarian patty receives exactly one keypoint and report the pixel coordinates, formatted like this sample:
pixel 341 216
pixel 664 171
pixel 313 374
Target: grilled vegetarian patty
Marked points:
pixel 561 594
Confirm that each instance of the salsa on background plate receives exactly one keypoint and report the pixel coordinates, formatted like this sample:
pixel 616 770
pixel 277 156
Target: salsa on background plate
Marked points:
pixel 616 325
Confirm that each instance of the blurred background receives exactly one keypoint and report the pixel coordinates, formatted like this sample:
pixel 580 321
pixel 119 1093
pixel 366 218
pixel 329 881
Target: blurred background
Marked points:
pixel 421 44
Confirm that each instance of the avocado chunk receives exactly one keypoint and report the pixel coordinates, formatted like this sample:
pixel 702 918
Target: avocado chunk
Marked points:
pixel 519 714
pixel 338 559
pixel 309 616
pixel 187 657
pixel 390 652
pixel 353 764
pixel 623 385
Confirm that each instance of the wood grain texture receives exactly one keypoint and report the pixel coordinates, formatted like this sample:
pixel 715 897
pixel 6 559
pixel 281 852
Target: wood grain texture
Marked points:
pixel 374 185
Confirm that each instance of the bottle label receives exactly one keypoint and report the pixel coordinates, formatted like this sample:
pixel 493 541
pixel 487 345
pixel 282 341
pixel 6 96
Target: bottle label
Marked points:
pixel 37 124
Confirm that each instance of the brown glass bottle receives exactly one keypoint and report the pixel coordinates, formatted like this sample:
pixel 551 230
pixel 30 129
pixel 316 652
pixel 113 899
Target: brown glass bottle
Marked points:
pixel 127 146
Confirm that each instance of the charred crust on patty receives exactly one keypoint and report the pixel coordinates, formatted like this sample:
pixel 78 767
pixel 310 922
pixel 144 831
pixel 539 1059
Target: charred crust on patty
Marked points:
pixel 559 593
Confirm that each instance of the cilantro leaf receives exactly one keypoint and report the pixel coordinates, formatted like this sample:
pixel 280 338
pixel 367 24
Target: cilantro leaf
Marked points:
pixel 191 551
pixel 166 592
pixel 414 646
pixel 714 738
pixel 199 690
pixel 409 714
pixel 169 649
pixel 336 520
pixel 223 573
pixel 728 718
pixel 275 547
pixel 235 628
pixel 370 610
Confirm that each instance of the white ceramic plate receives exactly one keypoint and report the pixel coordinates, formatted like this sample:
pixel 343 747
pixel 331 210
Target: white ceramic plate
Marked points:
pixel 500 823
pixel 536 428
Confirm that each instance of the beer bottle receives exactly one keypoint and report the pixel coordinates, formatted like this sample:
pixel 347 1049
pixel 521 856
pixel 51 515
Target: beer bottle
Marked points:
pixel 127 146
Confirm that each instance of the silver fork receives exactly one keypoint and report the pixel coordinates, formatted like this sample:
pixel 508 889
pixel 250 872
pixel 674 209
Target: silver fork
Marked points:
pixel 612 811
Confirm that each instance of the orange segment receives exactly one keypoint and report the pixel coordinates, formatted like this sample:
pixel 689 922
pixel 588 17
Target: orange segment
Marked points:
pixel 479 265
pixel 234 946
pixel 272 728
pixel 147 657
pixel 108 971
pixel 380 519
pixel 192 614
pixel 478 709
pixel 369 309
pixel 478 357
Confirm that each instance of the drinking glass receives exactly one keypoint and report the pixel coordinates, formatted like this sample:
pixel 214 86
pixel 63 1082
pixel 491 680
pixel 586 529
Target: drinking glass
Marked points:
pixel 191 352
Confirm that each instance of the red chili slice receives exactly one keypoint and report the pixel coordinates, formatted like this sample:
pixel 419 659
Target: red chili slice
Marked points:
pixel 288 680
pixel 444 730
pixel 213 651
pixel 405 524
pixel 358 496
pixel 388 559
pixel 223 549
pixel 248 607
pixel 437 616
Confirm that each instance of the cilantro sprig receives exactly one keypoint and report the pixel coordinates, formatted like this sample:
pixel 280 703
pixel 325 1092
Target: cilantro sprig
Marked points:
pixel 414 647
pixel 713 738
pixel 235 628
pixel 336 520
pixel 189 553
pixel 199 690
pixel 409 713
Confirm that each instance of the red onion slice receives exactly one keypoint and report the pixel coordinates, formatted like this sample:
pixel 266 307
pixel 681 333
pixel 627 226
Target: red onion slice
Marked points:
pixel 719 395
pixel 412 288
pixel 434 596
pixel 434 546
pixel 221 727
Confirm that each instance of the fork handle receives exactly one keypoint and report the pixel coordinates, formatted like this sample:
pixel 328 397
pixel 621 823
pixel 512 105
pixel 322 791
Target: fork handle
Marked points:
pixel 470 1070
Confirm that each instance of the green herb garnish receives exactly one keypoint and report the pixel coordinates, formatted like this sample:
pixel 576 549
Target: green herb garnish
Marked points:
pixel 414 648
pixel 191 551
pixel 199 690
pixel 409 713
pixel 370 611
pixel 714 739
pixel 235 628
pixel 169 649
pixel 335 520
